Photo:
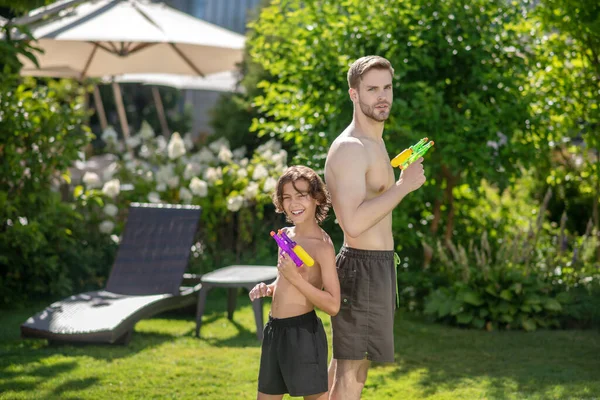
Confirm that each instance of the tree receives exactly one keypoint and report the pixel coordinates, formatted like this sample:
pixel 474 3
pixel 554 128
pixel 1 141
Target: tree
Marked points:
pixel 233 114
pixel 460 78
pixel 45 247
pixel 14 8
pixel 572 80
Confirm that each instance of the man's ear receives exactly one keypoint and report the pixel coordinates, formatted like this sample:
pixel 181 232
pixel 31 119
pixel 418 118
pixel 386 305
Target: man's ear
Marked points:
pixel 353 95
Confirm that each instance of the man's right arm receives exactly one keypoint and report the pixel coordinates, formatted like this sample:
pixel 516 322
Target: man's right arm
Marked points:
pixel 347 184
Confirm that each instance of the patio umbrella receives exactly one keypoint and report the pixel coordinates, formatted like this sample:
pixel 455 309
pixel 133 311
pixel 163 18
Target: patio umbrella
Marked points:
pixel 220 82
pixel 115 37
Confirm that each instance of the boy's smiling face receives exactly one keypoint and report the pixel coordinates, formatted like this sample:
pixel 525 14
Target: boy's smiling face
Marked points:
pixel 298 204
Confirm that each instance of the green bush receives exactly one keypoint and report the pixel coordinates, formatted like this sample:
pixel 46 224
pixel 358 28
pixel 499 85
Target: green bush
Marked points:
pixel 581 306
pixel 45 247
pixel 498 294
pixel 461 78
pixel 52 253
pixel 525 282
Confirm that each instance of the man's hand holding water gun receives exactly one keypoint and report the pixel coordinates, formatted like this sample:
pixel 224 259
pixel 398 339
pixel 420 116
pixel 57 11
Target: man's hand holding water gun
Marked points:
pixel 411 159
pixel 412 154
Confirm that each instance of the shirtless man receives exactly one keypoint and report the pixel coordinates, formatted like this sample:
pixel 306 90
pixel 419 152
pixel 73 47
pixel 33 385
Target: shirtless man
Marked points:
pixel 294 349
pixel 364 193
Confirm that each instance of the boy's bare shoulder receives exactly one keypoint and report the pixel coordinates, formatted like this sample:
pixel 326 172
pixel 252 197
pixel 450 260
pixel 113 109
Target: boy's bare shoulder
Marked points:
pixel 323 246
pixel 316 246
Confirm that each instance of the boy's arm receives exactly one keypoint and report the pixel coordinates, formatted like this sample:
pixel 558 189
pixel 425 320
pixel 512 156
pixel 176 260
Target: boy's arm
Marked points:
pixel 263 290
pixel 327 299
pixel 347 185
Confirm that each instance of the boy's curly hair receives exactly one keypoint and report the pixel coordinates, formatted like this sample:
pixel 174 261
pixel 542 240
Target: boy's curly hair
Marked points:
pixel 316 189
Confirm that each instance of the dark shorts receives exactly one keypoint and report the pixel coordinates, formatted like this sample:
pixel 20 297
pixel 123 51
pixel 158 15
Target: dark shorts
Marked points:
pixel 294 356
pixel 364 327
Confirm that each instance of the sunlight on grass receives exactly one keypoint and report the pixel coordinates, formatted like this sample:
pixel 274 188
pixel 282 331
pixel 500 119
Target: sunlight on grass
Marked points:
pixel 166 361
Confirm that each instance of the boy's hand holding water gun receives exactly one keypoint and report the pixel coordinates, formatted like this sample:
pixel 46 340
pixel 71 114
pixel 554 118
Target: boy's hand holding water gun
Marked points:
pixel 292 249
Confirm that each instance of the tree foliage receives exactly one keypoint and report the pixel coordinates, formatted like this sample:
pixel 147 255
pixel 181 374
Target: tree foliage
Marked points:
pixel 460 79
pixel 18 7
pixel 234 112
pixel 45 247
pixel 568 88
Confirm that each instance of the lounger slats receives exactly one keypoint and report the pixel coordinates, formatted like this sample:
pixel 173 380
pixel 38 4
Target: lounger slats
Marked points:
pixel 154 251
pixel 145 280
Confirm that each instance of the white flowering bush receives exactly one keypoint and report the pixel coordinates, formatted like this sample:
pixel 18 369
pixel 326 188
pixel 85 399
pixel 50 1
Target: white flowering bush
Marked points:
pixel 232 187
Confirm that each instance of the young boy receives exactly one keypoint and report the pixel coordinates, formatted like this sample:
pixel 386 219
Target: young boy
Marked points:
pixel 294 348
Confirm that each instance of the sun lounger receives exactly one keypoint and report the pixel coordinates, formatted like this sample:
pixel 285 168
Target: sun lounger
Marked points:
pixel 145 280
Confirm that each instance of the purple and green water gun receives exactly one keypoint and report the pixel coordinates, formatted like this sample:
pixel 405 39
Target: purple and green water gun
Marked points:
pixel 294 250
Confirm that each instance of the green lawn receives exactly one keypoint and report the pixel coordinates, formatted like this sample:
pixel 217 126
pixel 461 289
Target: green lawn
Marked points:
pixel 165 361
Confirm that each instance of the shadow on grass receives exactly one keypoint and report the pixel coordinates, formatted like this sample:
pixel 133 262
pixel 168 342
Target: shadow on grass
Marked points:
pixel 35 376
pixel 243 338
pixel 13 348
pixel 22 361
pixel 46 371
pixel 216 309
pixel 75 384
pixel 26 364
pixel 20 382
pixel 543 364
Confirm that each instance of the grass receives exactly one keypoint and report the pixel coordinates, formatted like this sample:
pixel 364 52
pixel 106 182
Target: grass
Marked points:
pixel 165 361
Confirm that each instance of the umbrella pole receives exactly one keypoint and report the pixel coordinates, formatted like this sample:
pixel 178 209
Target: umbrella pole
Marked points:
pixel 100 108
pixel 122 115
pixel 160 109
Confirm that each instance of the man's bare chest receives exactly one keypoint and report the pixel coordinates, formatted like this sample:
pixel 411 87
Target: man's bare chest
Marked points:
pixel 380 174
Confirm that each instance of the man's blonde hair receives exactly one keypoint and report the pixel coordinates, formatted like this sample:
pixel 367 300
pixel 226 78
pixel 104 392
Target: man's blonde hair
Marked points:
pixel 365 64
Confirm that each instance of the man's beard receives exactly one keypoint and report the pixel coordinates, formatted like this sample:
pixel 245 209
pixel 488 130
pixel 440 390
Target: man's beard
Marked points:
pixel 374 113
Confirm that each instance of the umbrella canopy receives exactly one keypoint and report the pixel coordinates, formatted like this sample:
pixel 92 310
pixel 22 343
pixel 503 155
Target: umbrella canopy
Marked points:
pixel 219 82
pixel 100 38
pixel 115 37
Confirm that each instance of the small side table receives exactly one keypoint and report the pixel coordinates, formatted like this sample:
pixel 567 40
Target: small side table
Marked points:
pixel 234 277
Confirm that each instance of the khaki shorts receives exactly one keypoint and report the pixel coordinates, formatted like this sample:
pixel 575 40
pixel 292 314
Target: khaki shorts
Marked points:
pixel 364 326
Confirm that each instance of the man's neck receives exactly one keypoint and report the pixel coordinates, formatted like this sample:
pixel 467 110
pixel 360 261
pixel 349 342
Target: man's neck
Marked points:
pixel 367 126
